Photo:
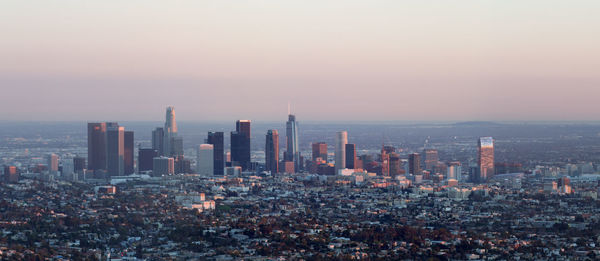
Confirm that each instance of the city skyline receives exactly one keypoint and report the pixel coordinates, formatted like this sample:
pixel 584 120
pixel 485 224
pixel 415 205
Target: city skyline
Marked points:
pixel 467 61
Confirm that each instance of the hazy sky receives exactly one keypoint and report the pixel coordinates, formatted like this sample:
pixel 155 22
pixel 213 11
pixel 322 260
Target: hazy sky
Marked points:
pixel 340 60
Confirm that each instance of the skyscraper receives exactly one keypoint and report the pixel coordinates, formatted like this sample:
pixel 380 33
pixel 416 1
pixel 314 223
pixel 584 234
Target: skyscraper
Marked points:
pixel 115 149
pixel 163 166
pixel 350 156
pixel 96 146
pixel 170 130
pixel 340 150
pixel 414 163
pixel 431 159
pixel 291 134
pixel 385 162
pixel 158 140
pixel 11 174
pixel 78 164
pixel 145 159
pixel 53 163
pixel 454 171
pixel 272 151
pixel 319 150
pixel 485 158
pixel 128 153
pixel 240 145
pixel 205 160
pixel 217 140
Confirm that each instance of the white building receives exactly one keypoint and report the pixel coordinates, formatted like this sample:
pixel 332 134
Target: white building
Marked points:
pixel 341 140
pixel 205 159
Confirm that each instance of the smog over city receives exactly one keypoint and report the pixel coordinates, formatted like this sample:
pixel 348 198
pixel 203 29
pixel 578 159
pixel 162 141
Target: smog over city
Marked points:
pixel 299 130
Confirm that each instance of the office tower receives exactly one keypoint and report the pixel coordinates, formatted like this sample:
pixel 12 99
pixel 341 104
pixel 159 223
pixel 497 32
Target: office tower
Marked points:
pixel 11 174
pixel 414 164
pixel 341 140
pixel 319 150
pixel 217 140
pixel 53 163
pixel 145 159
pixel 96 146
pixel 182 165
pixel 240 145
pixel 115 150
pixel 431 159
pixel 291 135
pixel 385 162
pixel 205 162
pixel 176 146
pixel 78 164
pixel 395 164
pixel 158 143
pixel 68 170
pixel 454 171
pixel 128 153
pixel 350 156
pixel 485 158
pixel 272 152
pixel 163 166
pixel 170 131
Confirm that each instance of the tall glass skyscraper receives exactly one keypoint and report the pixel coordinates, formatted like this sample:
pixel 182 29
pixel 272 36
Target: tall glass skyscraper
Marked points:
pixel 115 146
pixel 96 146
pixel 291 134
pixel 272 151
pixel 240 145
pixel 216 139
pixel 170 131
pixel 485 158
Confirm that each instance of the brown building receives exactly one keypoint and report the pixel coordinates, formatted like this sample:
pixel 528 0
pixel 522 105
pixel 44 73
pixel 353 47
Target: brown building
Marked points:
pixel 319 150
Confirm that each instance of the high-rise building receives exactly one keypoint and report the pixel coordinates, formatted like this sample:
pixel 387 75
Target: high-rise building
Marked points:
pixel 176 146
pixel 350 156
pixel 163 166
pixel 115 150
pixel 78 164
pixel 145 159
pixel 240 145
pixel 53 163
pixel 341 140
pixel 205 162
pixel 485 158
pixel 319 150
pixel 128 153
pixel 454 171
pixel 170 131
pixel 431 159
pixel 395 164
pixel 96 146
pixel 385 162
pixel 291 134
pixel 272 151
pixel 158 137
pixel 217 140
pixel 11 174
pixel 414 164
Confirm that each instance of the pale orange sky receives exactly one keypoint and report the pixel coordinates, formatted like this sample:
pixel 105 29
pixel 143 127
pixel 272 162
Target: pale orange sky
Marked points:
pixel 333 60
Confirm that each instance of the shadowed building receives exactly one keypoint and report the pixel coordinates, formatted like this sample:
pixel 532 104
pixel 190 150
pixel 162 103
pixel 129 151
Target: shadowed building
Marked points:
pixel 292 153
pixel 350 156
pixel 431 159
pixel 96 146
pixel 240 145
pixel 216 139
pixel 414 164
pixel 205 160
pixel 272 151
pixel 145 159
pixel 158 137
pixel 319 150
pixel 128 153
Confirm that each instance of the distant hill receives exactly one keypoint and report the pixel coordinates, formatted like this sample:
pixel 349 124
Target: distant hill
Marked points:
pixel 477 123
